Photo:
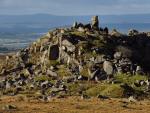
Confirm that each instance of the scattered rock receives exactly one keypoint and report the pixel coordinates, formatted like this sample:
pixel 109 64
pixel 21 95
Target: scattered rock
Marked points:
pixel 51 73
pixel 132 99
pixel 85 97
pixel 102 97
pixel 118 55
pixel 9 107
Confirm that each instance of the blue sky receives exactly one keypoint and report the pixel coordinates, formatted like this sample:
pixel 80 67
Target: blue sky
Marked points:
pixel 75 7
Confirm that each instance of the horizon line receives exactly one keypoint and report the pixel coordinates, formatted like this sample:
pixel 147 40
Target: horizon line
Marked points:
pixel 74 15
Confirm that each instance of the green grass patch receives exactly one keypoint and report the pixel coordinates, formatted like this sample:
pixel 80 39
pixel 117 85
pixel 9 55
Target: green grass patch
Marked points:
pixel 84 72
pixel 63 72
pixel 111 90
pixel 42 78
pixel 129 79
pixel 77 33
pixel 79 87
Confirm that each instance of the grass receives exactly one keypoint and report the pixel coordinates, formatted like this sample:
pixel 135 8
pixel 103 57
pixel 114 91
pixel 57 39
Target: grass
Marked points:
pixel 77 33
pixel 10 91
pixel 42 78
pixel 35 58
pixel 129 79
pixel 111 90
pixel 63 72
pixel 82 107
pixel 98 43
pixel 79 87
pixel 84 72
pixel 26 72
pixel 73 88
pixel 52 63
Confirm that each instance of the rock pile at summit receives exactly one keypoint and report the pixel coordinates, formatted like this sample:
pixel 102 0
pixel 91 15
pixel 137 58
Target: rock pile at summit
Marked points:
pixel 84 52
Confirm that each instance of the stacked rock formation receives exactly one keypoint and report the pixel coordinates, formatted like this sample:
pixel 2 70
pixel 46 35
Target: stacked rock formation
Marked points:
pixel 82 52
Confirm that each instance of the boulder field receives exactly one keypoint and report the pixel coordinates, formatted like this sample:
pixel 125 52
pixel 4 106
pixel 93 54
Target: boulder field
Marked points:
pixel 84 60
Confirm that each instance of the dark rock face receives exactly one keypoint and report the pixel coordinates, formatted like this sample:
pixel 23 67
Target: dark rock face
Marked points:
pixel 53 52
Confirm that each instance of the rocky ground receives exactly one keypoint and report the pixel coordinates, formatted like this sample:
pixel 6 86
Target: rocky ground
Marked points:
pixel 85 61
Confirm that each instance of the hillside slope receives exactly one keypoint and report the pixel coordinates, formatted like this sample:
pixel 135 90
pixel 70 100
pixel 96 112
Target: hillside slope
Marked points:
pixel 84 60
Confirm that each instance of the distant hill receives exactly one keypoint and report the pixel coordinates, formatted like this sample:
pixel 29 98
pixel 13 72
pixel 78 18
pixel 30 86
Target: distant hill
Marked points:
pixel 43 22
pixel 47 18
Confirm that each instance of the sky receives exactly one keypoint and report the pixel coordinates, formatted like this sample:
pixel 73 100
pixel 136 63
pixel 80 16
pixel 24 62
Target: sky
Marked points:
pixel 74 7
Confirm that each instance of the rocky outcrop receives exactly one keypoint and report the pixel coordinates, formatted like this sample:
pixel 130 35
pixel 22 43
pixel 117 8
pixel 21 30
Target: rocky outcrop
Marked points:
pixel 83 52
pixel 95 22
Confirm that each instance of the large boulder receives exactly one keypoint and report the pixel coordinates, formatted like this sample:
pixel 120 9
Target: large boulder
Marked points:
pixel 68 45
pixel 51 73
pixel 108 67
pixel 100 59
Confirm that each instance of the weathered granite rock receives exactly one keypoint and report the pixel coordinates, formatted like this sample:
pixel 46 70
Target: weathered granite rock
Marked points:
pixel 51 73
pixel 95 22
pixel 8 84
pixel 75 25
pixel 139 70
pixel 69 46
pixel 81 29
pixel 118 55
pixel 132 99
pixel 108 67
pixel 100 59
pixel 9 107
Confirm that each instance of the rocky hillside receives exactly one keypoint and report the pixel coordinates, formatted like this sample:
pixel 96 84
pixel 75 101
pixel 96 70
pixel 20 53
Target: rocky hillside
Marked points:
pixel 83 60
